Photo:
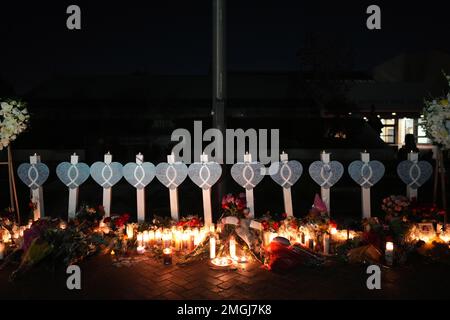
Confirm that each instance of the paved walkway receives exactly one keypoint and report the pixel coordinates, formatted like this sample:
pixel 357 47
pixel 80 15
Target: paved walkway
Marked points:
pixel 149 279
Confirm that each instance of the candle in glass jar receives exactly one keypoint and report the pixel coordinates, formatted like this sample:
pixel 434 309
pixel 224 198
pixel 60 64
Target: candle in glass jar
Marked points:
pixel 178 240
pixel 130 231
pixel 140 239
pixel 140 249
pixel 167 256
pixel 158 236
pixel 389 253
pixel 196 237
pixel 167 239
pixel 326 244
pixel 151 237
pixel 145 237
pixel 185 238
pixel 233 248
pixel 212 247
pixel 212 228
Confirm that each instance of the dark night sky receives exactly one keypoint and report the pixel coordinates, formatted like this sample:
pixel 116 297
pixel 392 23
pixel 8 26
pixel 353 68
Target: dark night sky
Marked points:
pixel 174 37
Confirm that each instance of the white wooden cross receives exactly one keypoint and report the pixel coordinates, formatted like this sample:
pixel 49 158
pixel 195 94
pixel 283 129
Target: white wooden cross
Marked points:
pixel 140 194
pixel 73 193
pixel 287 196
pixel 410 192
pixel 173 193
pixel 249 192
pixel 365 192
pixel 107 191
pixel 37 195
pixel 325 192
pixel 207 210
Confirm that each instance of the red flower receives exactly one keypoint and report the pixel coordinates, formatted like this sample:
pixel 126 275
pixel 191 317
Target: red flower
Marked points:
pixel 276 226
pixel 265 225
pixel 284 215
pixel 333 224
pixel 107 220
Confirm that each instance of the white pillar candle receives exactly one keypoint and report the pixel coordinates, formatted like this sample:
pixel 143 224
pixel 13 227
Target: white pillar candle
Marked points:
pixel 233 248
pixel 140 239
pixel 151 237
pixel 158 236
pixel 130 231
pixel 212 247
pixel 185 237
pixel 145 237
pixel 389 253
pixel 196 236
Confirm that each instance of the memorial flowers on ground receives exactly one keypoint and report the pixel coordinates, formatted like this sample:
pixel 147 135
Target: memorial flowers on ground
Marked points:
pixel 276 241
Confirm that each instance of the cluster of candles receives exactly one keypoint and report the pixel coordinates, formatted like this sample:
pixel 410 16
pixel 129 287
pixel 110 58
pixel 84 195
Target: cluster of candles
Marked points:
pixel 430 236
pixel 309 240
pixel 14 238
pixel 175 238
pixel 230 259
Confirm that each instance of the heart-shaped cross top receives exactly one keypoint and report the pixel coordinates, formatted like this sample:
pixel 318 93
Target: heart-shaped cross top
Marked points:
pixel 72 175
pixel 33 175
pixel 205 174
pixel 366 174
pixel 326 174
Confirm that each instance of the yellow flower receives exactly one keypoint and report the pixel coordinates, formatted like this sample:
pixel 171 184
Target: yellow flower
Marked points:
pixel 444 102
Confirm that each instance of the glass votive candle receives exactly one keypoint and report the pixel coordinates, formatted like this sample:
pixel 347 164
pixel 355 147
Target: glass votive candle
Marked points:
pixel 167 256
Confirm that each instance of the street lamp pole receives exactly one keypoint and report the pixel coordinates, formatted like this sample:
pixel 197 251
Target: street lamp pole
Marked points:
pixel 219 82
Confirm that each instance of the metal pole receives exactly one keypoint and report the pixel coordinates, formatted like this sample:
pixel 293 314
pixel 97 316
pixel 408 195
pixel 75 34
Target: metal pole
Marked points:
pixel 219 83
pixel 219 65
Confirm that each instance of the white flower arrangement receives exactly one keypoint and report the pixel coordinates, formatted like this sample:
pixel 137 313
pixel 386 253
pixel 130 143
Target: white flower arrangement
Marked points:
pixel 14 120
pixel 437 120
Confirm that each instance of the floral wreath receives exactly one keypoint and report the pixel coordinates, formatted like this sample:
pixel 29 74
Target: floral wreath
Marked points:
pixel 14 120
pixel 437 120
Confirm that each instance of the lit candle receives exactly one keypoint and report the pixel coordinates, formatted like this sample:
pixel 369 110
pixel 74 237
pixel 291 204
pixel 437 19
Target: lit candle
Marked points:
pixel 196 237
pixel 140 239
pixel 266 238
pixel 151 237
pixel 212 228
pixel 2 250
pixel 389 253
pixel 185 237
pixel 167 239
pixel 212 247
pixel 130 231
pixel 62 225
pixel 158 236
pixel 145 237
pixel 140 249
pixel 333 231
pixel 233 248
pixel 326 244
pixel 272 236
pixel 30 222
pixel 167 256
pixel 178 240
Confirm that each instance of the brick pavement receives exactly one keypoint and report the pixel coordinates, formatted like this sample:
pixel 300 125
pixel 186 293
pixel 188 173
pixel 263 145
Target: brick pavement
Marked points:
pixel 150 279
